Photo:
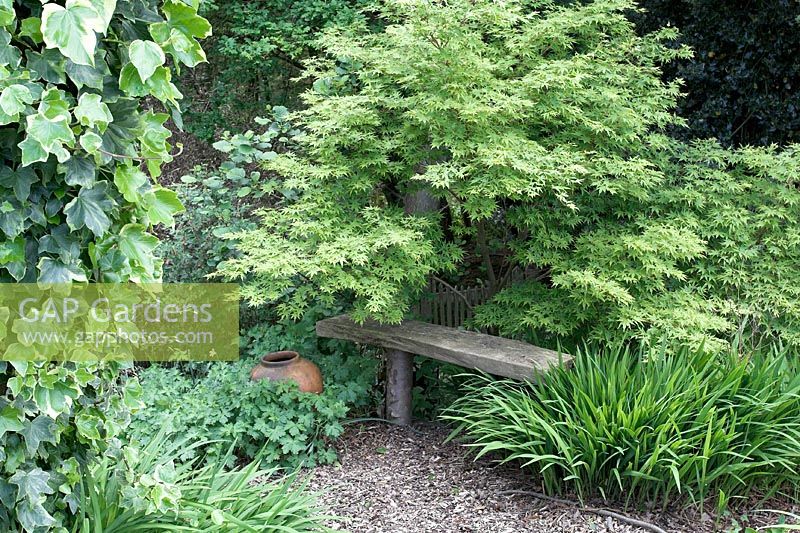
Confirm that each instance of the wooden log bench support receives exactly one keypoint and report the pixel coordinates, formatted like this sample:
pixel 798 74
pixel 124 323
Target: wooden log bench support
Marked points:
pixel 494 355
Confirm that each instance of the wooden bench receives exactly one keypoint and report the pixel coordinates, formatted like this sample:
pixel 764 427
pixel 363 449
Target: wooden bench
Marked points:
pixel 495 355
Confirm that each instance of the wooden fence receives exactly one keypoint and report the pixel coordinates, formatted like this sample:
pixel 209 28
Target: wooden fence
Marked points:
pixel 447 305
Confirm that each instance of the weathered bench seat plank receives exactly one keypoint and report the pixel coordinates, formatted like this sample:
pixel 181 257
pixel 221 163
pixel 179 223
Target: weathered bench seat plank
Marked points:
pixel 495 355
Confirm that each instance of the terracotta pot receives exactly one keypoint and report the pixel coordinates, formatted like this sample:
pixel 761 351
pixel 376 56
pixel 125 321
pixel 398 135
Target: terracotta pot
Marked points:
pixel 278 366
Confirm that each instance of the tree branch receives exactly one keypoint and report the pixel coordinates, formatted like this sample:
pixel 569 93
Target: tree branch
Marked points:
pixel 483 249
pixel 602 512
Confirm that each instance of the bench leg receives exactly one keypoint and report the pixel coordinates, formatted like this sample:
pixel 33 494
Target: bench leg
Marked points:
pixel 399 380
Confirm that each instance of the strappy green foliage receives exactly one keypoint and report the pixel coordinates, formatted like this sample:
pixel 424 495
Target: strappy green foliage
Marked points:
pixel 690 425
pixel 151 489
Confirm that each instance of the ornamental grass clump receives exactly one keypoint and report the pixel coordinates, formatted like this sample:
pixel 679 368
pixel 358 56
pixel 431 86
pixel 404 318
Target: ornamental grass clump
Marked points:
pixel 646 430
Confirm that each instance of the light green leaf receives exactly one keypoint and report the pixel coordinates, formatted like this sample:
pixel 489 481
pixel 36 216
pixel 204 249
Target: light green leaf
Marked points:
pixel 55 271
pixel 12 251
pixel 50 133
pixel 161 87
pixel 14 98
pixel 72 29
pixel 54 104
pixel 146 56
pixel 105 10
pixel 31 27
pixel 186 19
pixel 32 151
pixel 89 426
pixel 163 204
pixel 91 111
pixel 10 420
pixel 185 49
pixel 138 245
pixel 91 142
pixel 128 180
pixel 7 14
pixel 54 401
pixel 130 82
pixel 90 208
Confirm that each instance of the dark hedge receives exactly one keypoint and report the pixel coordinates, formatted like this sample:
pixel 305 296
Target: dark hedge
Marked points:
pixel 744 83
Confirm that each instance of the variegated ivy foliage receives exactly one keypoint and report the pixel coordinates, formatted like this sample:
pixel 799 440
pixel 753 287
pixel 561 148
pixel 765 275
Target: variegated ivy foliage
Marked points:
pixel 537 127
pixel 75 205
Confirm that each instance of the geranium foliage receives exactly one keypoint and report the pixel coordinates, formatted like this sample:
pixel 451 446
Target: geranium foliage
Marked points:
pixel 79 197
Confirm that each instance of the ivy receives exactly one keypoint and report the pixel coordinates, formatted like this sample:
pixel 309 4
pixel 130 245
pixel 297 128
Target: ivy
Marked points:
pixel 76 206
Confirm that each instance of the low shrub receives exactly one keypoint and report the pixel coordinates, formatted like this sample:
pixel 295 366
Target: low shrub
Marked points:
pixel 646 430
pixel 217 402
pixel 224 405
pixel 220 201
pixel 148 489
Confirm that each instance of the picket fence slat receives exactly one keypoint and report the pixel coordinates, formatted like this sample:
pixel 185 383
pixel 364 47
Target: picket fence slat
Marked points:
pixel 444 306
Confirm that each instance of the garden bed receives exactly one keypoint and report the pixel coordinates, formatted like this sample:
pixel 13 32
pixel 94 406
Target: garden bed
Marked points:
pixel 407 480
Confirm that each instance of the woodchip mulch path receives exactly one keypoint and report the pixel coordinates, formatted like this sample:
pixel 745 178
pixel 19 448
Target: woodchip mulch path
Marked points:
pixel 396 480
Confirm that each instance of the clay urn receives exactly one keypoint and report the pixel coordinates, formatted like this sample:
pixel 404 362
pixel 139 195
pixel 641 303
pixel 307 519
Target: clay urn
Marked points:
pixel 279 366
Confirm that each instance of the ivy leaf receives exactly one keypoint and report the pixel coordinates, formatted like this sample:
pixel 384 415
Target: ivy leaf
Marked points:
pixel 50 134
pixel 32 151
pixel 138 245
pixel 89 426
pixel 8 494
pixel 130 82
pixel 54 104
pixel 90 208
pixel 40 429
pixel 9 55
pixel 184 48
pixel 20 180
pixel 10 420
pixel 14 98
pixel 33 516
pixel 163 204
pixel 146 56
pixel 12 251
pixel 48 65
pixel 91 111
pixel 91 142
pixel 71 29
pixel 161 87
pixel 80 171
pixel 31 27
pixel 53 401
pixel 32 484
pixel 105 10
pixel 87 75
pixel 154 144
pixel 55 271
pixel 159 84
pixel 128 180
pixel 11 222
pixel 7 14
pixel 186 19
